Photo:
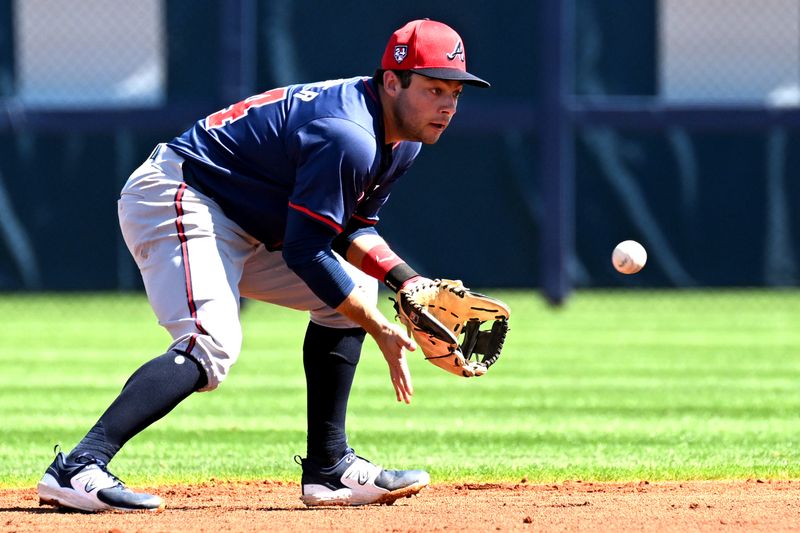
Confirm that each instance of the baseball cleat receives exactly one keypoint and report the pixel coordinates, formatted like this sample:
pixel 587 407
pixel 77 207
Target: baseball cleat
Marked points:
pixel 356 481
pixel 86 485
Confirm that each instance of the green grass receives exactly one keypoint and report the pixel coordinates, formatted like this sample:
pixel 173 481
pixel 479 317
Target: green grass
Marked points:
pixel 617 385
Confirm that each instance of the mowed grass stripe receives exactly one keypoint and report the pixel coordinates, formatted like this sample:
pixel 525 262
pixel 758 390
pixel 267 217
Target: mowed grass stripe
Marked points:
pixel 618 385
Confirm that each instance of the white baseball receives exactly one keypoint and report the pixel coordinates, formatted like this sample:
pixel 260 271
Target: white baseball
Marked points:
pixel 629 257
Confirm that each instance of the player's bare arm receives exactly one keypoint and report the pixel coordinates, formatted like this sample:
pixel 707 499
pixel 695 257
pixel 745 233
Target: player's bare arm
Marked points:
pixel 390 338
pixel 372 254
pixel 360 246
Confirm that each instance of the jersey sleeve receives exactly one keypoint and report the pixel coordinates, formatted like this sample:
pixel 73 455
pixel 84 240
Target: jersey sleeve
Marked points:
pixel 307 251
pixel 335 160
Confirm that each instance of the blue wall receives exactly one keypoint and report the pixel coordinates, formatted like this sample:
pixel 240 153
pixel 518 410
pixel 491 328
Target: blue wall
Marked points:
pixel 706 205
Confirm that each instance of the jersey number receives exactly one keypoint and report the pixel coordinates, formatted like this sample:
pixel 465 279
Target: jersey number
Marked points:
pixel 238 110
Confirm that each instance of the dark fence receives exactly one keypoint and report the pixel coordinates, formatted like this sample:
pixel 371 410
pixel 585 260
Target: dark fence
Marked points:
pixel 604 123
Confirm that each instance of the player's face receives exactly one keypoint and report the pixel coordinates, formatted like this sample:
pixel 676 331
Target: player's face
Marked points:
pixel 423 110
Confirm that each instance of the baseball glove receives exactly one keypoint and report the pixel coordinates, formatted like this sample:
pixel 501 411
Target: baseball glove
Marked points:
pixel 438 312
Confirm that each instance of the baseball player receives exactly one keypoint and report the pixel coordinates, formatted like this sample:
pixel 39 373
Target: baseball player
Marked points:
pixel 276 198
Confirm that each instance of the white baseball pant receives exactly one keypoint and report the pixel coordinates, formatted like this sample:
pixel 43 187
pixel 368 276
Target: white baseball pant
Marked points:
pixel 196 263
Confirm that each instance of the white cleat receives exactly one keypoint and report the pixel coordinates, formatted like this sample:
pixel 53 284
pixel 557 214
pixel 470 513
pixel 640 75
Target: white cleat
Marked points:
pixel 86 485
pixel 356 481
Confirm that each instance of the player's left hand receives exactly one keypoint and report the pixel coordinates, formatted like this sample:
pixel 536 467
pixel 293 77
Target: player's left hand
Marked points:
pixel 438 312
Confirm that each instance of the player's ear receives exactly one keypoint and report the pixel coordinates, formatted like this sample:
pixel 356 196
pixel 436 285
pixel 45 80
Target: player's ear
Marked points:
pixel 391 83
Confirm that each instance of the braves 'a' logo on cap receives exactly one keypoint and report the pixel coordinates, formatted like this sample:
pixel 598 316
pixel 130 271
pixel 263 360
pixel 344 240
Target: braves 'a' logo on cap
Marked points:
pixel 400 52
pixel 457 51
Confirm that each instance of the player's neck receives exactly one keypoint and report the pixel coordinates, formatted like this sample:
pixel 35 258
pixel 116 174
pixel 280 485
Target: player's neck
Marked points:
pixel 390 133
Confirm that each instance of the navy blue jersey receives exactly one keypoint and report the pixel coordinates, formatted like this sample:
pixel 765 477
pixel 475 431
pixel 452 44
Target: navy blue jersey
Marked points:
pixel 316 148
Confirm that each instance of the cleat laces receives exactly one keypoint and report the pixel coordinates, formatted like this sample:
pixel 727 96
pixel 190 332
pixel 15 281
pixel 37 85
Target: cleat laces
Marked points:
pixel 89 460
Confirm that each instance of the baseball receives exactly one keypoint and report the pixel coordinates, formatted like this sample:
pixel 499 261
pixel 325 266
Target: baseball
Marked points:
pixel 629 257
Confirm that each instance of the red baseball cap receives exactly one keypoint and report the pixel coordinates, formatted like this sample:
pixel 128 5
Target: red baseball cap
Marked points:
pixel 429 48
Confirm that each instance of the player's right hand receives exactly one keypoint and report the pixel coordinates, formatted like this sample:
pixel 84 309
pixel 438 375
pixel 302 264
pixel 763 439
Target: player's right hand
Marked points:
pixel 392 339
pixel 393 342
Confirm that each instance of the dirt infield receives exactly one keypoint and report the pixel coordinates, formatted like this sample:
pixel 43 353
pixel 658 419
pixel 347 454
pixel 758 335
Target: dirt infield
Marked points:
pixel 572 506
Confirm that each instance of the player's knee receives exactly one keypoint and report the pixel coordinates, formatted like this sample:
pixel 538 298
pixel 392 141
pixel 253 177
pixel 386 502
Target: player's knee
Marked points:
pixel 214 357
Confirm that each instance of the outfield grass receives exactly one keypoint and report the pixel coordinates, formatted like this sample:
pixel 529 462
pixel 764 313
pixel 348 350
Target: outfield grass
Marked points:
pixel 616 385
